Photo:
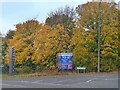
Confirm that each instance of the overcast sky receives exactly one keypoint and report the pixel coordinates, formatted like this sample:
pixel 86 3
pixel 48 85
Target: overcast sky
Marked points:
pixel 12 12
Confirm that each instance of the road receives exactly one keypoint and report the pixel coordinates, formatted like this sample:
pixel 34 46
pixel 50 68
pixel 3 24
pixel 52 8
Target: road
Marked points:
pixel 71 81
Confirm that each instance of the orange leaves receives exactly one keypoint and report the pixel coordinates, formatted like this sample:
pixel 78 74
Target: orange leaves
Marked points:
pixel 40 43
pixel 18 26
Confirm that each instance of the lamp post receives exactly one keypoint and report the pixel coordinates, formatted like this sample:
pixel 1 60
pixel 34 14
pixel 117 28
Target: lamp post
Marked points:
pixel 99 27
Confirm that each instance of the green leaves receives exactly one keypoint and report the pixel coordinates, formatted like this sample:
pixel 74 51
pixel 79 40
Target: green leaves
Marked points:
pixel 38 44
pixel 88 14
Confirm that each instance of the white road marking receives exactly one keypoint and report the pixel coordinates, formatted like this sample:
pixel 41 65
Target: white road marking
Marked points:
pixel 88 81
pixel 57 82
pixel 101 79
pixel 91 80
pixel 35 82
pixel 85 82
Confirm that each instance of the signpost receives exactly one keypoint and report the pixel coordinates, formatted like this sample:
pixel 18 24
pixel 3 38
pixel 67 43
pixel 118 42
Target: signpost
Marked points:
pixel 12 59
pixel 65 61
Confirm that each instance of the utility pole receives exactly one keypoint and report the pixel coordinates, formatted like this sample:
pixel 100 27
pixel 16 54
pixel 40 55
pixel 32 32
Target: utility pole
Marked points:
pixel 99 27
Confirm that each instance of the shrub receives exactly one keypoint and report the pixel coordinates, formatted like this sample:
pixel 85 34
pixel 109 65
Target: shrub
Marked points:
pixel 5 69
pixel 24 69
pixel 39 68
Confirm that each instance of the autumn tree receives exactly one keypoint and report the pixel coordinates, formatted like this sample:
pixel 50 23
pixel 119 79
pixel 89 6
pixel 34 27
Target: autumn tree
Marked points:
pixel 84 50
pixel 3 46
pixel 88 18
pixel 64 17
pixel 22 41
pixel 37 45
pixel 41 47
pixel 10 34
pixel 48 43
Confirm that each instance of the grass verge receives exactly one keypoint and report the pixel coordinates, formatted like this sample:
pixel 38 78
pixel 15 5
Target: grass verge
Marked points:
pixel 51 73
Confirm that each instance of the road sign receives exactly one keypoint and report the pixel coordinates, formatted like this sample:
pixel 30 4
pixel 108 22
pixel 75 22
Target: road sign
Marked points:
pixel 12 59
pixel 65 61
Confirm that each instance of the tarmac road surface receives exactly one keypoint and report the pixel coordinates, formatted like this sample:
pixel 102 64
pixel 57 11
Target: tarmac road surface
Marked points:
pixel 71 81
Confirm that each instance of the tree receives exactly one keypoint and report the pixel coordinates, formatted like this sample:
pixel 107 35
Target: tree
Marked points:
pixel 3 46
pixel 23 41
pixel 48 44
pixel 65 18
pixel 10 34
pixel 37 45
pixel 84 48
pixel 88 18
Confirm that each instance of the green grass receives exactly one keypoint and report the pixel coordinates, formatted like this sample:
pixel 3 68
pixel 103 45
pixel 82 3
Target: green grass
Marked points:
pixel 4 75
pixel 7 76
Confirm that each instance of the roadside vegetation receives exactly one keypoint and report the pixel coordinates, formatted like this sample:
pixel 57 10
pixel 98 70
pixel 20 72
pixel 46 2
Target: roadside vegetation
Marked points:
pixel 66 30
